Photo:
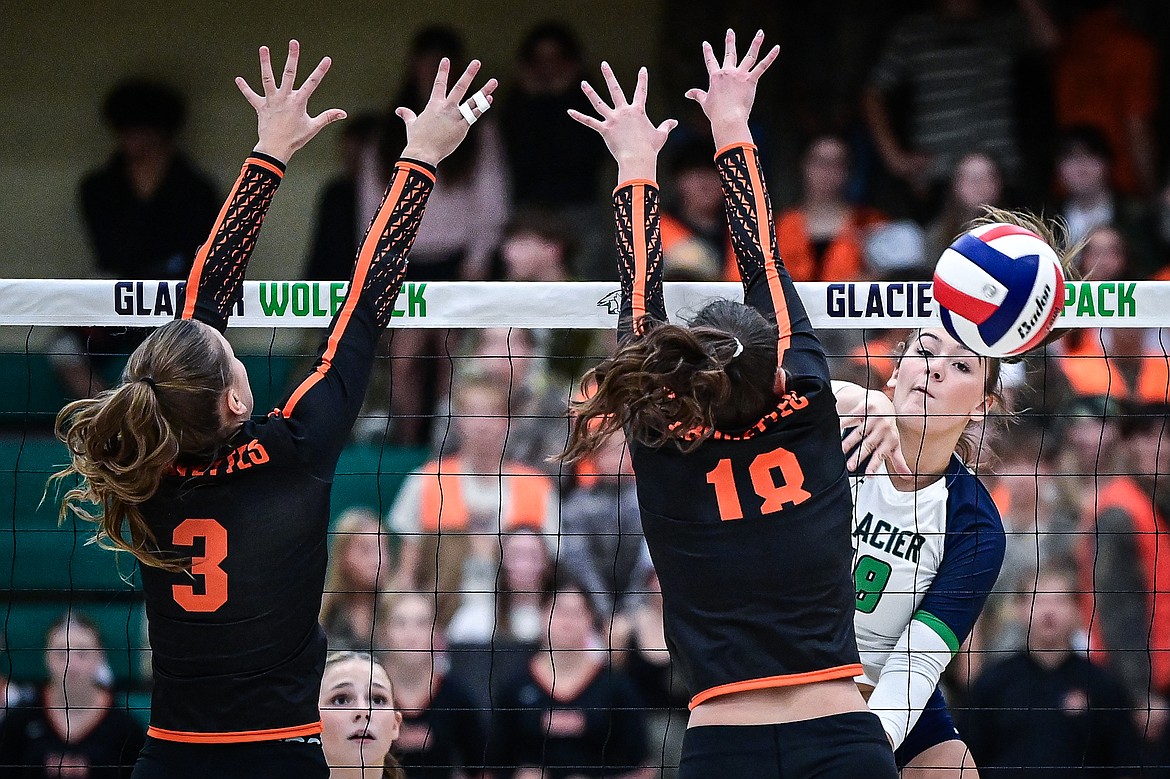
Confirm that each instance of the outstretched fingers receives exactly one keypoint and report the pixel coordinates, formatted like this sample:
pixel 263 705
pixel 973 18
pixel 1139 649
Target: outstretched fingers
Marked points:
pixel 753 51
pixel 253 99
pixel 585 119
pixel 640 88
pixel 729 49
pixel 289 77
pixel 266 78
pixel 315 77
pixel 594 99
pixel 439 88
pixel 464 82
pixel 709 58
pixel 615 89
pixel 766 62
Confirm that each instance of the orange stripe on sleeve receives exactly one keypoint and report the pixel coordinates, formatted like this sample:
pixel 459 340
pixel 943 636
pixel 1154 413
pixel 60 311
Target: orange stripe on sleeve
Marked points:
pixel 771 270
pixel 365 259
pixel 192 291
pixel 268 166
pixel 634 182
pixel 638 228
pixel 741 145
pixel 417 168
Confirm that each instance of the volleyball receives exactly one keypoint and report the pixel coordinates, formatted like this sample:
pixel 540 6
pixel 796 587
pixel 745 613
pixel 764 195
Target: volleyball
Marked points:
pixel 999 288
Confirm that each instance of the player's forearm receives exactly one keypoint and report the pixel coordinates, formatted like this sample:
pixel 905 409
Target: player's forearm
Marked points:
pixel 639 245
pixel 216 279
pixel 382 259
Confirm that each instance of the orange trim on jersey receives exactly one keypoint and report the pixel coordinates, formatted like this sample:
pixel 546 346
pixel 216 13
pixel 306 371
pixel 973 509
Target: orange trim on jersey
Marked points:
pixel 730 146
pixel 201 256
pixel 235 737
pixel 771 271
pixel 416 167
pixel 786 680
pixel 364 260
pixel 268 166
pixel 632 182
pixel 638 228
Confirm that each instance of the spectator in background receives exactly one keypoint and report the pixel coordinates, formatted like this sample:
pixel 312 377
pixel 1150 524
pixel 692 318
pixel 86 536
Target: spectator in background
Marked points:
pixel 149 208
pixel 456 240
pixel 696 244
pixel 601 530
pixel 12 695
pixel 555 163
pixel 1124 364
pixel 639 639
pixel 537 397
pixel 443 733
pixel 1125 560
pixel 977 182
pixel 526 574
pixel 146 212
pixel 359 574
pixel 1084 160
pixel 338 226
pixel 1041 528
pixel 1047 711
pixel 822 239
pixel 569 714
pixel 72 729
pixel 451 511
pixel 956 62
pixel 1106 77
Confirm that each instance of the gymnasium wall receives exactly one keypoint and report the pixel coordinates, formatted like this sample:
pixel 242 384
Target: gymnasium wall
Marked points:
pixel 60 58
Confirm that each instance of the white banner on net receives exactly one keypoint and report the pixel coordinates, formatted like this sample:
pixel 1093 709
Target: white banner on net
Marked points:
pixel 565 305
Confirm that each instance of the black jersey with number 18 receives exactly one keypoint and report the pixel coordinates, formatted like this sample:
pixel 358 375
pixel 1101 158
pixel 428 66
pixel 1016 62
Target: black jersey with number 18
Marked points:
pixel 237 651
pixel 749 532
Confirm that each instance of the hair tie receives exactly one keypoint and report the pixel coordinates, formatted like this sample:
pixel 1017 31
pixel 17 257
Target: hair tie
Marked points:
pixel 738 348
pixel 149 382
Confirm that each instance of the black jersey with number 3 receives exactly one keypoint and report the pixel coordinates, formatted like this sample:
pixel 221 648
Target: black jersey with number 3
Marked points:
pixel 236 647
pixel 749 533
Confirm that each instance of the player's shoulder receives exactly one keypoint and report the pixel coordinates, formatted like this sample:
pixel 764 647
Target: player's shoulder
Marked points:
pixel 969 504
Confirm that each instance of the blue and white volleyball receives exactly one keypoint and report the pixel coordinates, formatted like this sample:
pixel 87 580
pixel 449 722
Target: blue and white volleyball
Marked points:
pixel 999 288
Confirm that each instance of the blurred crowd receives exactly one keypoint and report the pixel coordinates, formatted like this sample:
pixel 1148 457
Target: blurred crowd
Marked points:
pixel 496 566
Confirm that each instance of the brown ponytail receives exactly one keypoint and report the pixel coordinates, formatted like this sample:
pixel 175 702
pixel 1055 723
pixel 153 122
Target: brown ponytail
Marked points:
pixel 679 384
pixel 123 441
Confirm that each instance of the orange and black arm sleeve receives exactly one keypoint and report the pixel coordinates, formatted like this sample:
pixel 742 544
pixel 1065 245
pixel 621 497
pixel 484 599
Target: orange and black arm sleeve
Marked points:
pixel 767 286
pixel 639 245
pixel 326 404
pixel 216 281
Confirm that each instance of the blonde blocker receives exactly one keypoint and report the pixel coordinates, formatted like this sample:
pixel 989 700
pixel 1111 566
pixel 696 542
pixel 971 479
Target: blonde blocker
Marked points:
pixel 123 441
pixel 678 384
pixel 391 768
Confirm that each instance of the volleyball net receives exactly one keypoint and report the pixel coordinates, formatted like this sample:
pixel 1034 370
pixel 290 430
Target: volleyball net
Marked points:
pixel 484 373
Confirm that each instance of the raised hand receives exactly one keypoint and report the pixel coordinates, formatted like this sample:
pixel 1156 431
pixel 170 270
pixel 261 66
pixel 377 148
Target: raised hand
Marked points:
pixel 441 127
pixel 729 96
pixel 631 137
pixel 282 115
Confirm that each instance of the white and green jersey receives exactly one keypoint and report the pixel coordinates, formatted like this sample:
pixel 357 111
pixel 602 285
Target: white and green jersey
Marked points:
pixel 924 563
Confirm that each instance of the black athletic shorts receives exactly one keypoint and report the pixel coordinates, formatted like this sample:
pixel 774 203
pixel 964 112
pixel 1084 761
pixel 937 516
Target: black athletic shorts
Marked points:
pixel 300 758
pixel 844 746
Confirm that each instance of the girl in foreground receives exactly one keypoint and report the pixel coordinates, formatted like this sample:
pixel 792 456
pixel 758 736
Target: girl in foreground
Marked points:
pixel 228 515
pixel 358 718
pixel 734 438
pixel 928 539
